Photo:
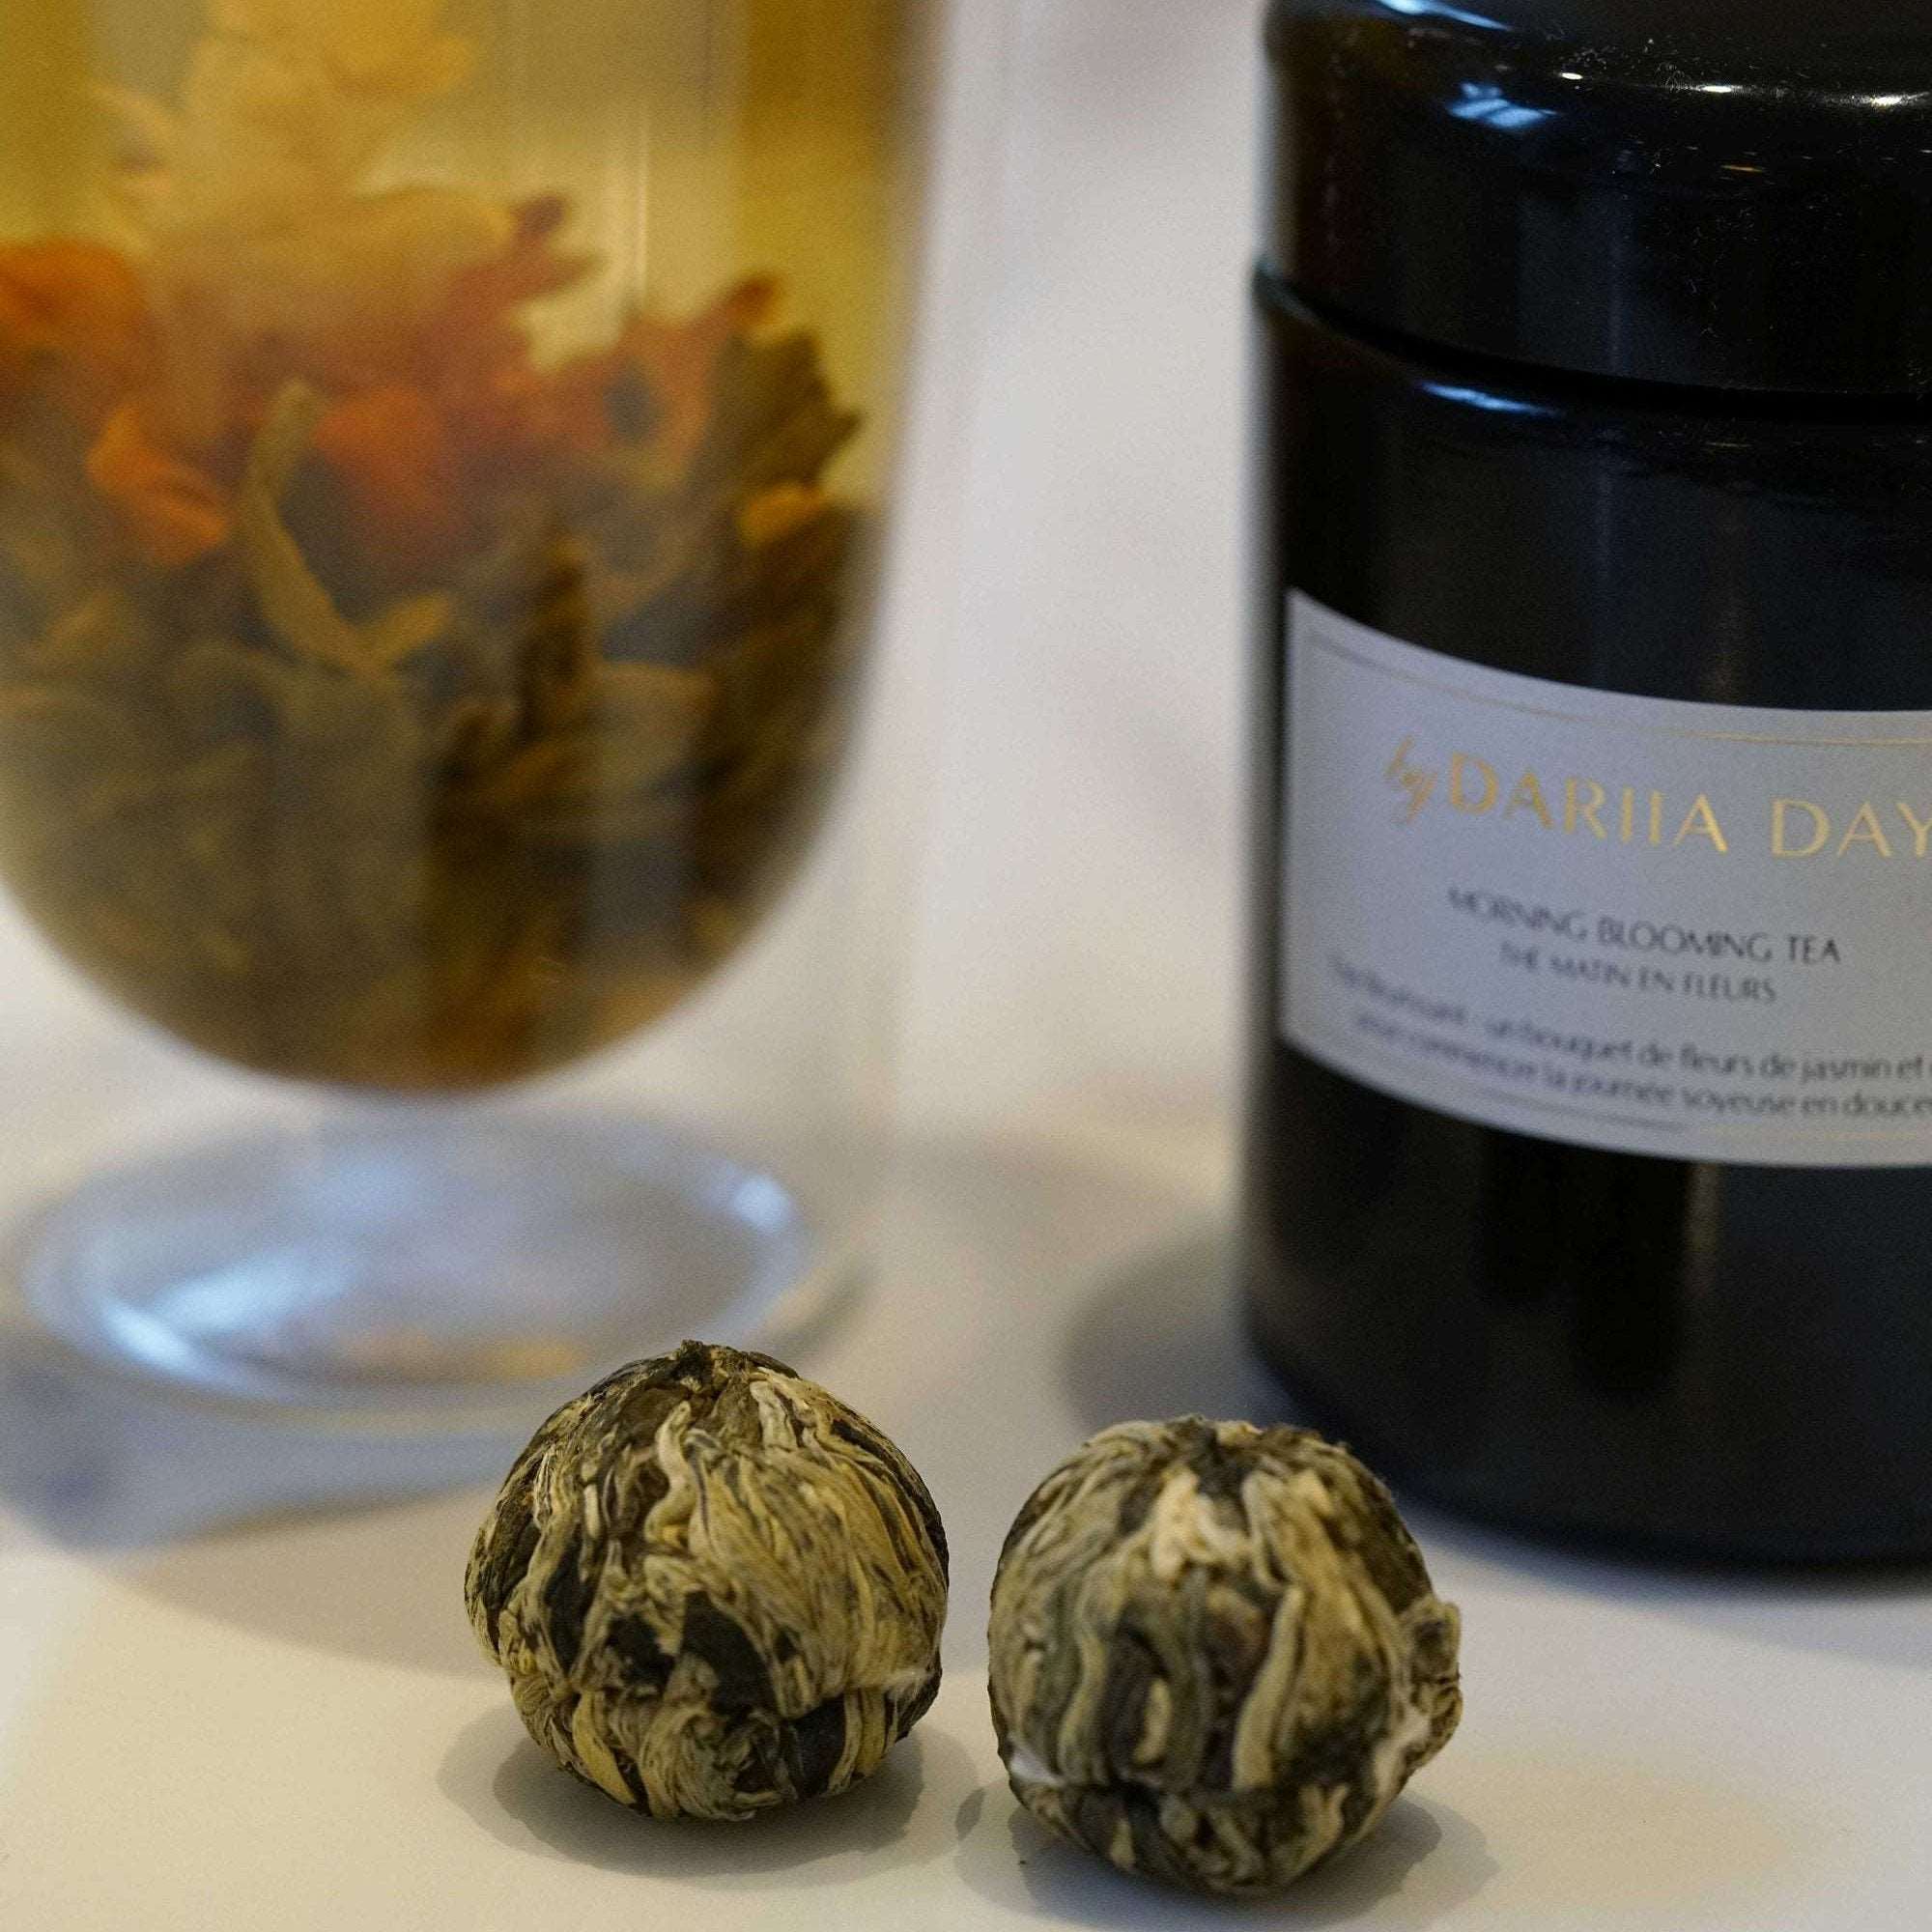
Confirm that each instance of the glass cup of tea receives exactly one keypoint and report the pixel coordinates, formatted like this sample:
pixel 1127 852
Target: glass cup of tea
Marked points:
pixel 444 445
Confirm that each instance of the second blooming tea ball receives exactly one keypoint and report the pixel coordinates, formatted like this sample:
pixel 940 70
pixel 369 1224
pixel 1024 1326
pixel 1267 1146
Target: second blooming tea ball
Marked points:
pixel 715 1588
pixel 1216 1656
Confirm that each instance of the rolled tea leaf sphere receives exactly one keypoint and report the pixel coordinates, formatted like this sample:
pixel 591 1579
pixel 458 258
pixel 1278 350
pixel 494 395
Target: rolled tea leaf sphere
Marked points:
pixel 1216 1655
pixel 714 1587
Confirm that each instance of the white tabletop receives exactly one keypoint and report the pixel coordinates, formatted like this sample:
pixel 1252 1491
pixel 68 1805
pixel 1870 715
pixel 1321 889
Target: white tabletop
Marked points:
pixel 228 1701
pixel 285 1724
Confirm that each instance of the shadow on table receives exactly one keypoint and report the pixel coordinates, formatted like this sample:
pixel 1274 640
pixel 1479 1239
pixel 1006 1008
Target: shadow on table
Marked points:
pixel 97 1464
pixel 1423 1860
pixel 344 1541
pixel 332 1541
pixel 1164 1337
pixel 496 1775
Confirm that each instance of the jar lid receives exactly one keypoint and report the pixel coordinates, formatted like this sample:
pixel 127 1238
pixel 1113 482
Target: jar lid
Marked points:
pixel 1728 193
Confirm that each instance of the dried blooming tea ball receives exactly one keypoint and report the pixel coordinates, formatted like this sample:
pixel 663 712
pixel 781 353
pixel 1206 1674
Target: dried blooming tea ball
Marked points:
pixel 715 1588
pixel 1216 1656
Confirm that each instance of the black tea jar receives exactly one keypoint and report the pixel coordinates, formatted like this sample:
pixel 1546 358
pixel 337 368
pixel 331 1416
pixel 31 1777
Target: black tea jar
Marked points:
pixel 1591 1098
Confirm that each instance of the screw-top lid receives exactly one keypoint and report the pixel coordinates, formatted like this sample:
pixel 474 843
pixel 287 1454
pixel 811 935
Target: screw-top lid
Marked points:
pixel 1732 193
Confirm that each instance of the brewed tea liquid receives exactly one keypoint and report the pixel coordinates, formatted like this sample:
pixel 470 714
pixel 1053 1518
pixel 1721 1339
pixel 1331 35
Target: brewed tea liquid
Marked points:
pixel 439 452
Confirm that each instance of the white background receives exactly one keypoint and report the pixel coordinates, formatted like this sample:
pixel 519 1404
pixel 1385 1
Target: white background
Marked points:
pixel 211 1726
pixel 1077 964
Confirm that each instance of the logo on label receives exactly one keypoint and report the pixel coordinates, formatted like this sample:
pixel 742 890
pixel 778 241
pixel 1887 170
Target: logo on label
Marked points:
pixel 1575 806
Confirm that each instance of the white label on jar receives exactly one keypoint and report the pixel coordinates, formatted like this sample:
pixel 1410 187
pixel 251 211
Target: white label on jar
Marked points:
pixel 1695 930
